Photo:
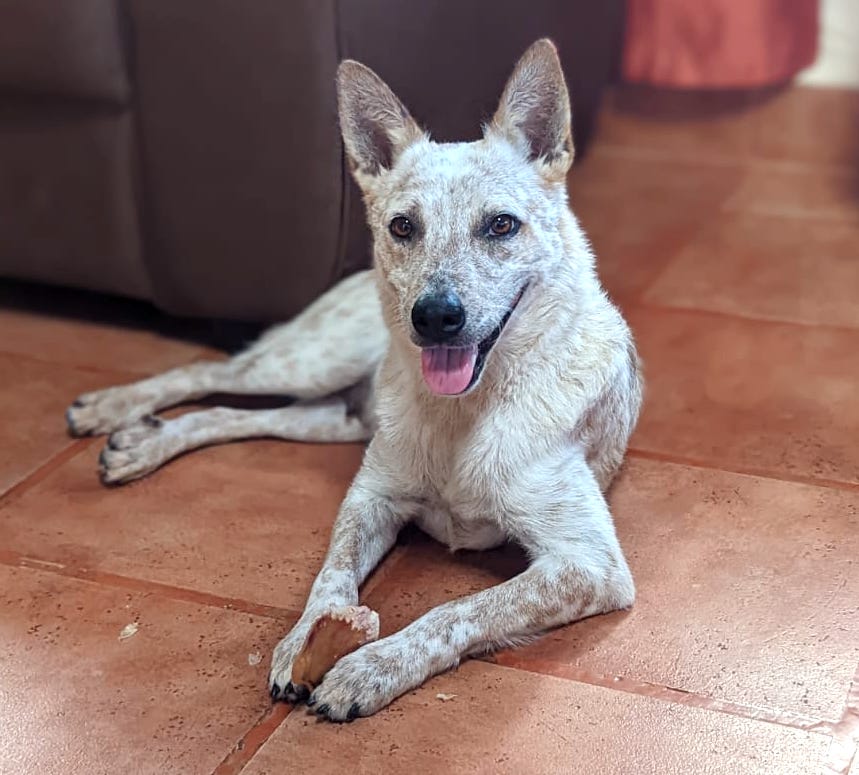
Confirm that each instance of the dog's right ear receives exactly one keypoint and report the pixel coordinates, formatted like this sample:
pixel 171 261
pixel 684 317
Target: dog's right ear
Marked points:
pixel 534 112
pixel 376 126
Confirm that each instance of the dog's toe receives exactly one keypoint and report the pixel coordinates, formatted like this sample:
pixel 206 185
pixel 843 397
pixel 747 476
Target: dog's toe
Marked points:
pixel 152 421
pixel 70 420
pixel 298 693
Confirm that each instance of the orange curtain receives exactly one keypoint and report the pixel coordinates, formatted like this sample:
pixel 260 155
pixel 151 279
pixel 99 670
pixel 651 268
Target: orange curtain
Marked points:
pixel 718 43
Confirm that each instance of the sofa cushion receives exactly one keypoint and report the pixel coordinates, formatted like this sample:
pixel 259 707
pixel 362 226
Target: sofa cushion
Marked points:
pixel 68 48
pixel 68 201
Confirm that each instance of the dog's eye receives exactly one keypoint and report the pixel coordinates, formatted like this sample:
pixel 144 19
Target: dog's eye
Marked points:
pixel 401 227
pixel 503 225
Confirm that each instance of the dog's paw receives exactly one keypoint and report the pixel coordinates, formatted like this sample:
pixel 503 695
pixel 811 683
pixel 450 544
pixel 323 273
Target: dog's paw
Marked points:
pixel 135 451
pixel 104 411
pixel 363 682
pixel 280 676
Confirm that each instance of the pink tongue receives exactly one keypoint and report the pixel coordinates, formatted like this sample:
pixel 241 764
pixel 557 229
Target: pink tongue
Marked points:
pixel 448 370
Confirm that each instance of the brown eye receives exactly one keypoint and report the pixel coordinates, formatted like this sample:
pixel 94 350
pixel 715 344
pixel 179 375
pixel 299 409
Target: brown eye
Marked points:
pixel 503 225
pixel 401 227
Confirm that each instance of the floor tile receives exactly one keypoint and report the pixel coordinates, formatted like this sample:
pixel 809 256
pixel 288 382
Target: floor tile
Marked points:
pixel 94 345
pixel 503 721
pixel 799 124
pixel 790 269
pixel 248 520
pixel 33 400
pixel 639 212
pixel 748 590
pixel 428 574
pixel 793 124
pixel 680 123
pixel 750 395
pixel 797 192
pixel 174 696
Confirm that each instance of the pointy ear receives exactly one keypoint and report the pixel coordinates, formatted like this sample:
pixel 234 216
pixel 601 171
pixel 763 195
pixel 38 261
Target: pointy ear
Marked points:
pixel 376 126
pixel 534 112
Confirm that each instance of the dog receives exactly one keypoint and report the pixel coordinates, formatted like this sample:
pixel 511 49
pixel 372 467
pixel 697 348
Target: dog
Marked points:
pixel 496 384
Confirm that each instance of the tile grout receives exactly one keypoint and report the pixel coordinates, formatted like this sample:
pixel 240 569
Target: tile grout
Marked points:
pixel 759 473
pixel 45 469
pixel 255 738
pixel 89 368
pixel 666 694
pixel 659 155
pixel 11 558
pixel 15 559
pixel 639 302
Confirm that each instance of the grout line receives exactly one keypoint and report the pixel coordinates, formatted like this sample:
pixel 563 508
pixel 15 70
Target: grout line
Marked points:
pixel 74 448
pixel 844 747
pixel 666 693
pixel 106 578
pixel 87 368
pixel 243 751
pixel 16 559
pixel 383 570
pixel 761 473
pixel 789 213
pixel 641 303
pixel 659 155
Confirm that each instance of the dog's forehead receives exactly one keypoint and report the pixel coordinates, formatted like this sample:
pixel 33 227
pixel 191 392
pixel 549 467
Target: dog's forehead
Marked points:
pixel 459 176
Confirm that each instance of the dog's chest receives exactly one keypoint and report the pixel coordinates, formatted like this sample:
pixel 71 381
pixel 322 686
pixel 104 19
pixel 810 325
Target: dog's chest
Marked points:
pixel 461 495
pixel 456 532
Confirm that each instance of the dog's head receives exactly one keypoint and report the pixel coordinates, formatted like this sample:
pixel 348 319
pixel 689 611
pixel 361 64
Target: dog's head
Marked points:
pixel 461 230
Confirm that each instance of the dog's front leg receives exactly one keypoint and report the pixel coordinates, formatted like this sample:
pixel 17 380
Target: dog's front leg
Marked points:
pixel 578 570
pixel 364 531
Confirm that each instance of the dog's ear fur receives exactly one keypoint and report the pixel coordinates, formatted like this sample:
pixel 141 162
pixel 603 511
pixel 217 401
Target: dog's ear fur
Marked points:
pixel 376 126
pixel 534 112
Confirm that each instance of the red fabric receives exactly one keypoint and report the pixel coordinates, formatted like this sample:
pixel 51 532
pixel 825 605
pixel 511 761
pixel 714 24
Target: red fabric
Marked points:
pixel 718 43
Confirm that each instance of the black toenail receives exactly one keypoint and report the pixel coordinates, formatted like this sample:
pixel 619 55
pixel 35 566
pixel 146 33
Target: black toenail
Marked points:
pixel 77 403
pixel 275 692
pixel 111 442
pixel 152 421
pixel 102 459
pixel 311 701
pixel 301 692
pixel 354 712
pixel 323 709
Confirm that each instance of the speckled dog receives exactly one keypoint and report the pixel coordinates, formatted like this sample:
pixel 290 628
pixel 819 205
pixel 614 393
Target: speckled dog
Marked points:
pixel 498 384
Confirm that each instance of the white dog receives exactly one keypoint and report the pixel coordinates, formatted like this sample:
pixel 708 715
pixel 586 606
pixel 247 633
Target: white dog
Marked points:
pixel 498 384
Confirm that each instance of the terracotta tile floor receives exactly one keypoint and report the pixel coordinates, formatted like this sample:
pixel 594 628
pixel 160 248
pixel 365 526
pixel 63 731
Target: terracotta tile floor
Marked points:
pixel 136 623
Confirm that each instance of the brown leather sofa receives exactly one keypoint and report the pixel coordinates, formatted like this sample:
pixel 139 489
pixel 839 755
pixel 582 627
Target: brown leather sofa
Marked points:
pixel 186 151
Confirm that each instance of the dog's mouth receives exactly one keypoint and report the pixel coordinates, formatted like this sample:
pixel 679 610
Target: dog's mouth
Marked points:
pixel 451 371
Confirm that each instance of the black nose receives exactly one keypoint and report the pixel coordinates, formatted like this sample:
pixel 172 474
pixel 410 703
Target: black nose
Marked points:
pixel 438 317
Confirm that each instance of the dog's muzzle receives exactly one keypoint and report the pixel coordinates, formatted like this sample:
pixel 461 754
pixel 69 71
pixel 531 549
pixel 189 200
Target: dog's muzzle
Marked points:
pixel 453 370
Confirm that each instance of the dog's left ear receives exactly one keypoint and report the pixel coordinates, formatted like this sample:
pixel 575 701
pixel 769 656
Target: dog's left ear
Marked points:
pixel 534 112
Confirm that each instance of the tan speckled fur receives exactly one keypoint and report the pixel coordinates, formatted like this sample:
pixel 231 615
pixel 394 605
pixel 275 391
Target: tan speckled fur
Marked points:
pixel 524 454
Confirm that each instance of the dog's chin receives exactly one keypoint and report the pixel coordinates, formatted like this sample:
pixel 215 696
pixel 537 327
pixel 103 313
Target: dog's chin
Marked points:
pixel 456 371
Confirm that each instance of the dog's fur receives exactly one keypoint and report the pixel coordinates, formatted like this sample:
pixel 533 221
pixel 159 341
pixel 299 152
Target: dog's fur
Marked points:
pixel 524 454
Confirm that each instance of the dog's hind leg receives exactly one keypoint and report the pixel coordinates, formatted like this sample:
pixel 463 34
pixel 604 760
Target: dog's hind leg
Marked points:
pixel 335 343
pixel 140 449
